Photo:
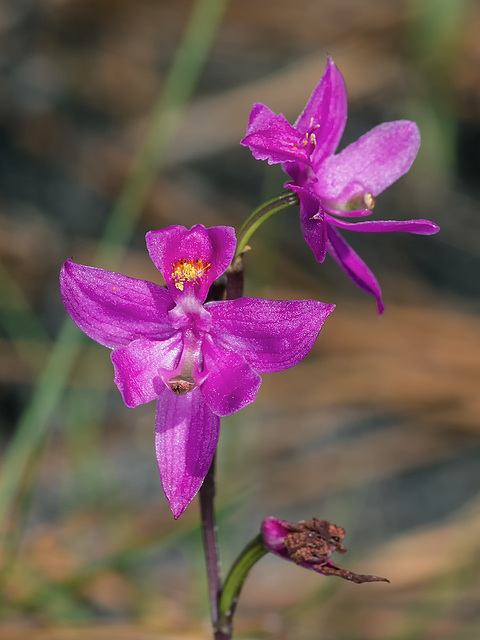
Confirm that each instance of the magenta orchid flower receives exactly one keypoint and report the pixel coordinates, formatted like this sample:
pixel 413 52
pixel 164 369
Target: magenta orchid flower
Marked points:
pixel 333 188
pixel 199 360
pixel 310 544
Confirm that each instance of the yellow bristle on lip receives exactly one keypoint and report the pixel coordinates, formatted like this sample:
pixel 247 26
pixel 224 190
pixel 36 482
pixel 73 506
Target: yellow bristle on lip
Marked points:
pixel 188 270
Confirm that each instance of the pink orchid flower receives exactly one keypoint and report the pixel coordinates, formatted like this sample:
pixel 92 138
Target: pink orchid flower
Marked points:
pixel 332 188
pixel 199 360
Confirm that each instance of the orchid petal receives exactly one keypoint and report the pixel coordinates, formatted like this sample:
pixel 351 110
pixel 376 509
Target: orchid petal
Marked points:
pixel 371 164
pixel 138 367
pixel 327 111
pixel 113 309
pixel 214 247
pixel 312 221
pixel 231 383
pixel 186 436
pixel 353 266
pixel 271 137
pixel 420 227
pixel 272 335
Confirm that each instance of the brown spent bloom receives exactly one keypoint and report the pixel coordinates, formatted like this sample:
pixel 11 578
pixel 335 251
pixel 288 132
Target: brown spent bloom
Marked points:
pixel 310 544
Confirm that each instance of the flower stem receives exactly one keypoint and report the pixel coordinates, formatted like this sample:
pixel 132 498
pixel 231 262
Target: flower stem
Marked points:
pixel 232 289
pixel 209 532
pixel 261 214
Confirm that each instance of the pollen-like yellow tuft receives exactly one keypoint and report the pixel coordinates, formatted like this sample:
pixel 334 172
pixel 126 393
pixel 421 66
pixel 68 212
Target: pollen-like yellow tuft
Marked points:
pixel 188 270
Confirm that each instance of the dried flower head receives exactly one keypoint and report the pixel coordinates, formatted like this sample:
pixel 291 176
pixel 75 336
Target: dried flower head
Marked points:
pixel 310 544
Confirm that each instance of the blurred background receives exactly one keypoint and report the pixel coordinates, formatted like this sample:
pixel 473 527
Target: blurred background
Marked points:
pixel 117 117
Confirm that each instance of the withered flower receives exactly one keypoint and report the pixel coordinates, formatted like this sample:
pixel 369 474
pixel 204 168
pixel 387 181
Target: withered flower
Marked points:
pixel 310 544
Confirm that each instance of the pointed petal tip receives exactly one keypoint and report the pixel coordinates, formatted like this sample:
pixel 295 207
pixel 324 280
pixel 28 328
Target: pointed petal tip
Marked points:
pixel 65 270
pixel 177 501
pixel 177 510
pixel 331 64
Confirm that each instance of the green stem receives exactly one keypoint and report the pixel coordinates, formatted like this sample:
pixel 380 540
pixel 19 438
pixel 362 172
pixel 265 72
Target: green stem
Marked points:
pixel 263 213
pixel 252 553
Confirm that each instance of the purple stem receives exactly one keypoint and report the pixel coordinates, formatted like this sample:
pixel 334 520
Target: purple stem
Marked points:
pixel 209 531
